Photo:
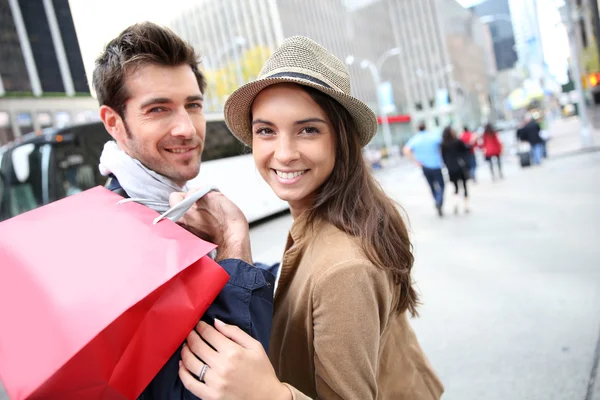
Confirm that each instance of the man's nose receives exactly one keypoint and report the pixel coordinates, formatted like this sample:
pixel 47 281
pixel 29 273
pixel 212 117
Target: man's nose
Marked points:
pixel 184 126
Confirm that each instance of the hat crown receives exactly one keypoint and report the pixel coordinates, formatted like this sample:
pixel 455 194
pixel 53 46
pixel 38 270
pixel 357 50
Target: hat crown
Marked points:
pixel 301 55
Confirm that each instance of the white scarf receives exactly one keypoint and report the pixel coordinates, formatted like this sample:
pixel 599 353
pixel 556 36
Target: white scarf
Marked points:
pixel 138 181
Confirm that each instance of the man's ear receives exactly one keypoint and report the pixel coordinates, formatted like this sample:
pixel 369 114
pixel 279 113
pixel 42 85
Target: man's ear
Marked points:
pixel 113 123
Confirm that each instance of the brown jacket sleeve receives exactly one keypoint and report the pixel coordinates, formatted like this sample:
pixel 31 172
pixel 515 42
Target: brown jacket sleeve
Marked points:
pixel 352 302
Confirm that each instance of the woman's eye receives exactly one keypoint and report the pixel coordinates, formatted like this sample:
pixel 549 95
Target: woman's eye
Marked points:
pixel 310 130
pixel 264 131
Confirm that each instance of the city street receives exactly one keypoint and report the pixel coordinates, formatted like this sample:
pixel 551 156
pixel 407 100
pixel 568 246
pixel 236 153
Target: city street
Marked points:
pixel 511 292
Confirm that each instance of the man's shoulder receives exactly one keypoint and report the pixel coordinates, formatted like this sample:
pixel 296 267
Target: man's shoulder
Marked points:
pixel 114 186
pixel 432 136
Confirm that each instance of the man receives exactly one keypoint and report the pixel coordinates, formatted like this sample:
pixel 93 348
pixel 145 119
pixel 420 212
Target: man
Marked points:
pixel 531 132
pixel 424 149
pixel 151 92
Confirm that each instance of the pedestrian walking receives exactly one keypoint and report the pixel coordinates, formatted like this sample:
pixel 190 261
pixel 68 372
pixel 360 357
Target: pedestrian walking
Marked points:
pixel 492 148
pixel 424 149
pixel 456 154
pixel 530 132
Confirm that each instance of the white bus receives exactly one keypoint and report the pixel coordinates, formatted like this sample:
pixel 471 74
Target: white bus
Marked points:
pixel 43 167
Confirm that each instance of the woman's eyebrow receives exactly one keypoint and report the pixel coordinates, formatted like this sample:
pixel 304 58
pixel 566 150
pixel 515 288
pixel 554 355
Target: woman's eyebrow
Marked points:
pixel 262 121
pixel 305 121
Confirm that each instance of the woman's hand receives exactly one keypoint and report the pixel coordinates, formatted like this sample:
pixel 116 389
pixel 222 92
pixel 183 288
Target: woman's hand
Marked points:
pixel 238 367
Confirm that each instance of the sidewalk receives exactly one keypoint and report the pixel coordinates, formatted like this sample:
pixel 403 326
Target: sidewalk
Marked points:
pixel 565 137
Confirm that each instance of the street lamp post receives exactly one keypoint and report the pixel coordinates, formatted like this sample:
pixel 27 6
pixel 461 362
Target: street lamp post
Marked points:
pixel 234 45
pixel 453 85
pixel 375 70
pixel 238 42
pixel 586 137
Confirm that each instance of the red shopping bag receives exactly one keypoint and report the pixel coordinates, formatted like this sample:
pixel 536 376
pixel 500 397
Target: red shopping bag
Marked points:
pixel 94 298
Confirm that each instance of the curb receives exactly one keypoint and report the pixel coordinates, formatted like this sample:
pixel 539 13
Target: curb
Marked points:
pixel 572 153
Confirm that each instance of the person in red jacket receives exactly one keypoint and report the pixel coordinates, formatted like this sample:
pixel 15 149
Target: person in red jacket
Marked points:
pixel 492 149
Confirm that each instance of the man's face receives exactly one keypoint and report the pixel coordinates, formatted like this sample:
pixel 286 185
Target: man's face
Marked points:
pixel 164 124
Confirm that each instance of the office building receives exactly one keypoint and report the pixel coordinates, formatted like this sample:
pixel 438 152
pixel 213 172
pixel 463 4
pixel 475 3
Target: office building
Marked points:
pixel 404 43
pixel 497 12
pixel 39 58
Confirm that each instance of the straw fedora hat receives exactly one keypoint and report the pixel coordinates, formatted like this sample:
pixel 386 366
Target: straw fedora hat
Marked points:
pixel 303 61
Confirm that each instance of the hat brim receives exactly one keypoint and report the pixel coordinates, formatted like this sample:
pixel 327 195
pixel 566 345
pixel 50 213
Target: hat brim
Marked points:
pixel 238 107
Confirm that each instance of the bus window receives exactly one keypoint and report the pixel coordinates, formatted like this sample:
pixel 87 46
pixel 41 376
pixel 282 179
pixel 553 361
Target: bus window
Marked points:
pixel 75 160
pixel 25 180
pixel 220 142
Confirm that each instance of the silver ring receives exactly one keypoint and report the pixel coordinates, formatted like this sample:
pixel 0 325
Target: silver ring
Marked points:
pixel 202 373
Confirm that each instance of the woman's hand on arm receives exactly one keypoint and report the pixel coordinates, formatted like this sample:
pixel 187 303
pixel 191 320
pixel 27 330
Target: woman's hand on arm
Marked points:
pixel 238 367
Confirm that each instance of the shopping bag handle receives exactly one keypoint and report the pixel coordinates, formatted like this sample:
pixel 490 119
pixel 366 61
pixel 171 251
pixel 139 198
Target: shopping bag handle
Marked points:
pixel 178 210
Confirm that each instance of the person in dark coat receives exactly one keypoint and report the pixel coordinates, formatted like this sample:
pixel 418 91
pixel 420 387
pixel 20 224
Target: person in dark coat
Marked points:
pixel 530 132
pixel 455 154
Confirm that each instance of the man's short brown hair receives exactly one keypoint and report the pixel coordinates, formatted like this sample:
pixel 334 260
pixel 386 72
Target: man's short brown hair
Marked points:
pixel 141 44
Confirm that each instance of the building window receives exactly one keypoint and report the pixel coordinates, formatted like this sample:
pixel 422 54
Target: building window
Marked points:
pixel 437 121
pixel 44 120
pixel 25 122
pixel 419 106
pixel 62 119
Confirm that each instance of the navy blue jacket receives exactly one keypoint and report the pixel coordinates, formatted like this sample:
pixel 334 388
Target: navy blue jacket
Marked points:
pixel 245 301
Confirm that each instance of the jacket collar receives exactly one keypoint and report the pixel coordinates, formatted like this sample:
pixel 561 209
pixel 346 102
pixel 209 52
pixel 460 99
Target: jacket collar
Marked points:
pixel 299 235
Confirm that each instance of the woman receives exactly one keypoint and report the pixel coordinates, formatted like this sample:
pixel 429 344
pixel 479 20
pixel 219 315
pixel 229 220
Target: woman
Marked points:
pixel 456 154
pixel 492 149
pixel 344 290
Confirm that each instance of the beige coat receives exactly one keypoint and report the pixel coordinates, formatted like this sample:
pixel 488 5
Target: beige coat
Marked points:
pixel 336 334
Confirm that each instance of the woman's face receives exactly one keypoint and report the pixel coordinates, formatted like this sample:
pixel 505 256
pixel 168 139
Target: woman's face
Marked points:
pixel 293 143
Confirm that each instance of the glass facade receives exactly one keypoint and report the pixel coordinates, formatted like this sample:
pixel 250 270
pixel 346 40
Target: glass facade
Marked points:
pixel 12 64
pixel 502 31
pixel 42 45
pixel 71 44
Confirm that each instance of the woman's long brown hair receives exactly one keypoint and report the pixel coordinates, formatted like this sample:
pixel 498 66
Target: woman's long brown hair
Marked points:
pixel 355 203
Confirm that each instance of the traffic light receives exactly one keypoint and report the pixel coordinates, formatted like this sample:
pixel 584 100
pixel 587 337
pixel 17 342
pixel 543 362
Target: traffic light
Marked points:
pixel 592 80
pixel 593 84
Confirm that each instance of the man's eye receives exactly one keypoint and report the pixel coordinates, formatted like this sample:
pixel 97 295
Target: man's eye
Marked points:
pixel 157 109
pixel 194 105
